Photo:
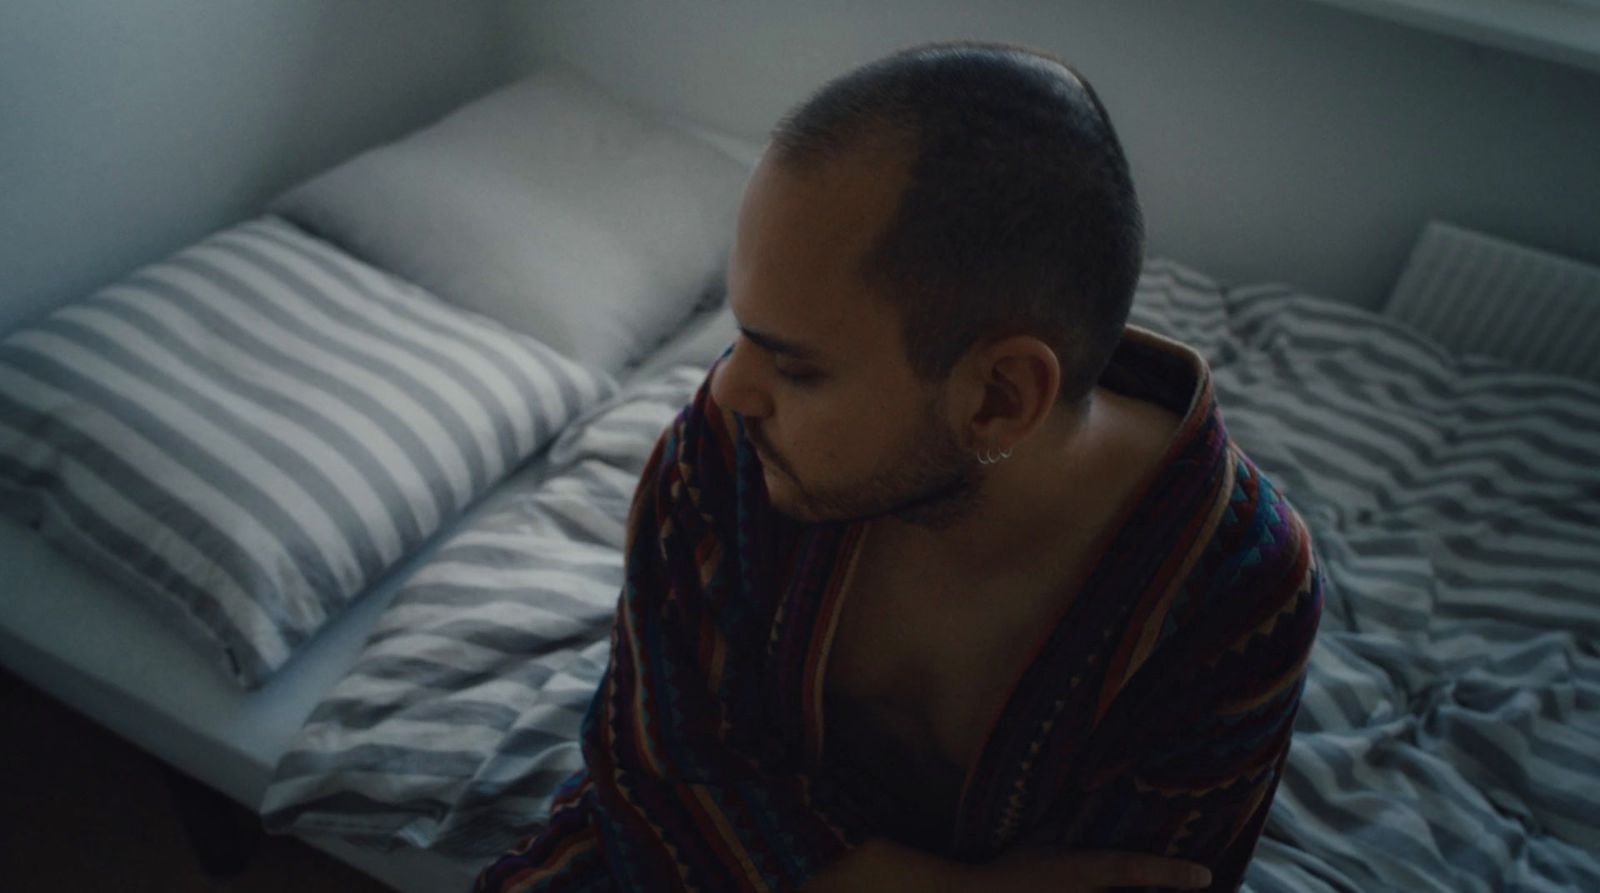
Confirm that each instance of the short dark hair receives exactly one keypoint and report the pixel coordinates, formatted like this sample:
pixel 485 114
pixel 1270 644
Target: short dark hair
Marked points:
pixel 1018 216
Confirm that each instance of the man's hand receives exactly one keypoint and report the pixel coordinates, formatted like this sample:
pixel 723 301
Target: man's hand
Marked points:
pixel 882 865
pixel 1028 868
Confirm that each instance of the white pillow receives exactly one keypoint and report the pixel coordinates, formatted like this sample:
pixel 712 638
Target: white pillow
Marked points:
pixel 548 205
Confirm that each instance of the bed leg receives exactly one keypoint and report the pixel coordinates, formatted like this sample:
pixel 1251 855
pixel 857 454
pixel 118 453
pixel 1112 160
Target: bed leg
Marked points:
pixel 223 834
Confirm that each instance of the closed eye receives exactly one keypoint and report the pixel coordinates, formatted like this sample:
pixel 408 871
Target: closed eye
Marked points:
pixel 797 377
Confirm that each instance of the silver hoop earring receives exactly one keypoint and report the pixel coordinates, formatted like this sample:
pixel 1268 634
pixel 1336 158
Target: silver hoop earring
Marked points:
pixel 986 457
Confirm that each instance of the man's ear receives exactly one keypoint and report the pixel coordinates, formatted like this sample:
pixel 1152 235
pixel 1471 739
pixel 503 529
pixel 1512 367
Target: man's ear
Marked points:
pixel 1017 378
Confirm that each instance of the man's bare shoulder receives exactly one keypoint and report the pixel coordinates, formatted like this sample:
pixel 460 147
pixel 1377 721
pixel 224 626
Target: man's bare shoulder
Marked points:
pixel 1140 429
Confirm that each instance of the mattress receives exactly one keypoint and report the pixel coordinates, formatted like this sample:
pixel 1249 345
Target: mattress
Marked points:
pixel 120 665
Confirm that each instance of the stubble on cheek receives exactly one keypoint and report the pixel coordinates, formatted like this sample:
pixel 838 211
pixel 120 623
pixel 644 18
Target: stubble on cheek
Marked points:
pixel 771 459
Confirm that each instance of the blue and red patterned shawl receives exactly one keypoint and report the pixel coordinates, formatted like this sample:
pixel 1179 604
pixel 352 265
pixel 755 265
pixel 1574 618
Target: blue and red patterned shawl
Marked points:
pixel 1154 717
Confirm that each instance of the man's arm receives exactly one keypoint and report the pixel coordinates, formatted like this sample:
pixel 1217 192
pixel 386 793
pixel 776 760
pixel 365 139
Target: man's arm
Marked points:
pixel 688 791
pixel 883 866
pixel 1207 740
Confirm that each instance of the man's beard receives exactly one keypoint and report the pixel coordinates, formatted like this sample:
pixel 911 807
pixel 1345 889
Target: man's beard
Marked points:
pixel 932 483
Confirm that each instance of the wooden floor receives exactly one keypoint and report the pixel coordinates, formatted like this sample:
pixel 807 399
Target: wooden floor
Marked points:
pixel 82 810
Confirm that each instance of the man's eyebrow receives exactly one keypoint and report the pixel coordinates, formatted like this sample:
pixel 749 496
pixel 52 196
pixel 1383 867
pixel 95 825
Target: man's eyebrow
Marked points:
pixel 780 345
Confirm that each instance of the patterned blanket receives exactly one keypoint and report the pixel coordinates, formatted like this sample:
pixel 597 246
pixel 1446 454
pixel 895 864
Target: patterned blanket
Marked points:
pixel 1154 716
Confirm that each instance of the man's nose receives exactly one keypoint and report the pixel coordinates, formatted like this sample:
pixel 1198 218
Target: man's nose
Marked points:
pixel 738 382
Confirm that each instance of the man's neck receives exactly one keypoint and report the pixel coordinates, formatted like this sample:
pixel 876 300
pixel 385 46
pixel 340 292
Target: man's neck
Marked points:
pixel 1031 506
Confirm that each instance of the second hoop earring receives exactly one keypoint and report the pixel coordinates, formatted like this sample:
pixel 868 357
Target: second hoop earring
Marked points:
pixel 986 457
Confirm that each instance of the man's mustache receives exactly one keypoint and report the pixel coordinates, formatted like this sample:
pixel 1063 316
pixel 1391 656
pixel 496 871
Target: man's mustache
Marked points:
pixel 765 448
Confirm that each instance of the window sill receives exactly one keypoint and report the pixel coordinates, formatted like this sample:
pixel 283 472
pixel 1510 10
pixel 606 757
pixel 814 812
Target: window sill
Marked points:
pixel 1565 31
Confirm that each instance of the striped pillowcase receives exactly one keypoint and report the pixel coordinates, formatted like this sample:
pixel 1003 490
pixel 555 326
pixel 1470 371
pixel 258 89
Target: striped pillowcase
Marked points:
pixel 254 430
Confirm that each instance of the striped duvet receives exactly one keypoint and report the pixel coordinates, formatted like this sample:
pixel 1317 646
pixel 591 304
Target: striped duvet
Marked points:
pixel 461 715
pixel 1449 735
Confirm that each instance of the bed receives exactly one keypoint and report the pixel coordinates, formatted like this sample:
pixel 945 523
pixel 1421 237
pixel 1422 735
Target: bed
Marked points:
pixel 326 510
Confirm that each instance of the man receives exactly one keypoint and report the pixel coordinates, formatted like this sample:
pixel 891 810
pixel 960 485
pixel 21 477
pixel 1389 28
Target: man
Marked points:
pixel 947 579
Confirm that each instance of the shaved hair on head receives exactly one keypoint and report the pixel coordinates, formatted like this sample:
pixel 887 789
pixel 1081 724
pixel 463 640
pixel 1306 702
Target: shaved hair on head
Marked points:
pixel 1018 215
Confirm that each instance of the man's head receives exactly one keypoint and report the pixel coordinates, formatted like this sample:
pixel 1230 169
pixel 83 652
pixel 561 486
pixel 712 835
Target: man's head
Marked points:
pixel 952 234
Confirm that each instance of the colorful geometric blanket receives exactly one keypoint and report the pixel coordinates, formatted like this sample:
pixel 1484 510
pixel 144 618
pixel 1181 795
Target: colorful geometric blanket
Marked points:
pixel 1155 716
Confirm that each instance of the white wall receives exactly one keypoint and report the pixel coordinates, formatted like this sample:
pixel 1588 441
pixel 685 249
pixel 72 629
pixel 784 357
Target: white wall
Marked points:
pixel 1270 139
pixel 128 129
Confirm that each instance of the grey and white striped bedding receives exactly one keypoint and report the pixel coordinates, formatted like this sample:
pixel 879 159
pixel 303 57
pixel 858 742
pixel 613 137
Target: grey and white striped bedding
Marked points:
pixel 1450 732
pixel 251 431
pixel 461 715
